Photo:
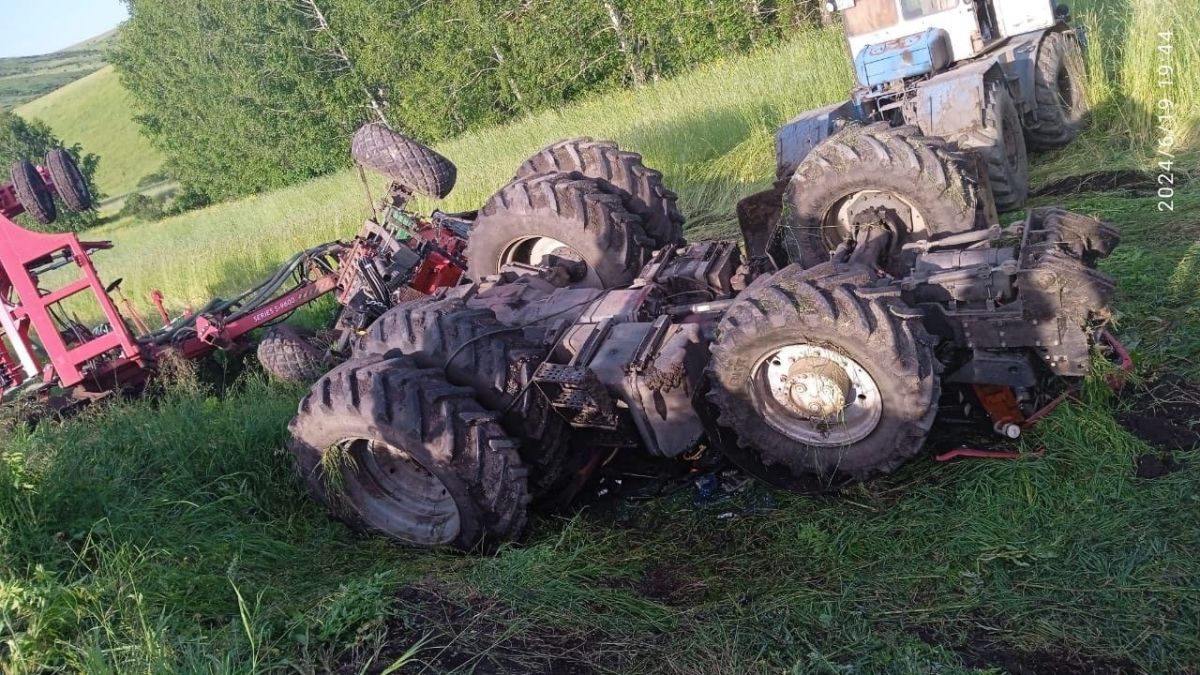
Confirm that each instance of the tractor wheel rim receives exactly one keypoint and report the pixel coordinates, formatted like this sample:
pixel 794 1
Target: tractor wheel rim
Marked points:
pixel 816 396
pixel 533 249
pixel 395 494
pixel 838 224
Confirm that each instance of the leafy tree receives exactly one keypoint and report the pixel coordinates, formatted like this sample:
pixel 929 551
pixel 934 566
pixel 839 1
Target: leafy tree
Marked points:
pixel 23 139
pixel 248 95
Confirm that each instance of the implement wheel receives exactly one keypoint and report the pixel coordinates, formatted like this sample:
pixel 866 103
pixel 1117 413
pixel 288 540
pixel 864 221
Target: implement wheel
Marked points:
pixel 32 192
pixel 564 215
pixel 408 162
pixel 71 186
pixel 290 354
pixel 918 183
pixel 606 161
pixel 393 448
pixel 820 384
pixel 1061 97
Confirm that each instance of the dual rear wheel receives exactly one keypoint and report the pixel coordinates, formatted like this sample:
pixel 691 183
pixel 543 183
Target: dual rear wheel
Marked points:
pixel 36 196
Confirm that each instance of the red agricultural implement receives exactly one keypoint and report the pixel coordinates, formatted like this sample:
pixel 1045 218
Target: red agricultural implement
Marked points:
pixel 46 279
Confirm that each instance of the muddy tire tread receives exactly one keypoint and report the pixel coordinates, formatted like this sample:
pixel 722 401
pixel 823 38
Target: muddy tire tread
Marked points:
pixel 32 192
pixel 924 169
pixel 496 361
pixel 404 160
pixel 589 215
pixel 604 160
pixel 291 354
pixel 414 407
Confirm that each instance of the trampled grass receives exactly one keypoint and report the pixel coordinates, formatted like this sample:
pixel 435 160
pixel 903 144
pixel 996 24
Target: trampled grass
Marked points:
pixel 95 112
pixel 169 535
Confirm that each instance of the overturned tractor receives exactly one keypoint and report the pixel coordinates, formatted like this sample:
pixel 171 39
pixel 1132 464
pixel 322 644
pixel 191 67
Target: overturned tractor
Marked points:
pixel 586 326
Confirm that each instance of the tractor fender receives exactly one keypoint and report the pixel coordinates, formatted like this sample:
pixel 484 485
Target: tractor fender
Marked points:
pixel 952 102
pixel 1018 57
pixel 798 137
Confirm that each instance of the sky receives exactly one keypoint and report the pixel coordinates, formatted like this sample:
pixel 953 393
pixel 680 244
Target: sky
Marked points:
pixel 29 27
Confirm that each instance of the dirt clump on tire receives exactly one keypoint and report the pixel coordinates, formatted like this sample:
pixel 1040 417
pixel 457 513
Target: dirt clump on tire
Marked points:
pixel 1061 104
pixel 293 355
pixel 32 192
pixel 926 172
pixel 393 448
pixel 406 161
pixel 589 217
pixel 821 307
pixel 606 161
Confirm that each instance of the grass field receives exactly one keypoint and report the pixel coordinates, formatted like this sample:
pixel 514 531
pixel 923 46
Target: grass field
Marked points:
pixel 169 535
pixel 94 111
pixel 25 78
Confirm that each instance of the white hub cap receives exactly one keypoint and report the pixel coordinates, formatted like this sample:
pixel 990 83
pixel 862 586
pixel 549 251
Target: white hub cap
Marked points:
pixel 816 396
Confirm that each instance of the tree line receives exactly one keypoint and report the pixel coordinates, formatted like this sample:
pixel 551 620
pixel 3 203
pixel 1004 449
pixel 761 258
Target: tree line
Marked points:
pixel 247 95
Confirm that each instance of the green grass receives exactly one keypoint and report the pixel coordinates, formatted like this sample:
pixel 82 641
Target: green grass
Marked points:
pixel 168 534
pixel 25 78
pixel 95 112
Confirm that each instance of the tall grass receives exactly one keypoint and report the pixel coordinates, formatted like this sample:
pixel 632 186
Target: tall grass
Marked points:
pixel 1127 91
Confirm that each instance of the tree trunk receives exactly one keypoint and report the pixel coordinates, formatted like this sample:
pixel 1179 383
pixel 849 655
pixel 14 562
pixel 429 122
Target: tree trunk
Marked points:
pixel 320 25
pixel 639 78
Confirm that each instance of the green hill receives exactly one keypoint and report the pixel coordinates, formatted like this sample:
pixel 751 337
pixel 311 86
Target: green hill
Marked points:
pixel 25 78
pixel 95 111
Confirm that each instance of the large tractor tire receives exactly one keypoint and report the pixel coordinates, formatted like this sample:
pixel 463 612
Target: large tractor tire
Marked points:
pixel 404 160
pixel 820 384
pixel 922 184
pixel 290 354
pixel 566 215
pixel 606 161
pixel 496 361
pixel 1001 143
pixel 393 448
pixel 1061 104
pixel 70 183
pixel 32 192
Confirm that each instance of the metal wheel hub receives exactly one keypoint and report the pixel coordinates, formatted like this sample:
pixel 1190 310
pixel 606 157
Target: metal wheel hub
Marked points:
pixel 395 494
pixel 848 213
pixel 816 396
pixel 817 388
pixel 535 250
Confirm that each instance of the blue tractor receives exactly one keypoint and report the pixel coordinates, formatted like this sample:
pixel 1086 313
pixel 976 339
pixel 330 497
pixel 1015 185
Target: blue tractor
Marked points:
pixel 933 140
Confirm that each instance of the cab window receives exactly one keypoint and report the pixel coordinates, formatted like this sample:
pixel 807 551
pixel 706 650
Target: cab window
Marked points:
pixel 868 16
pixel 915 9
